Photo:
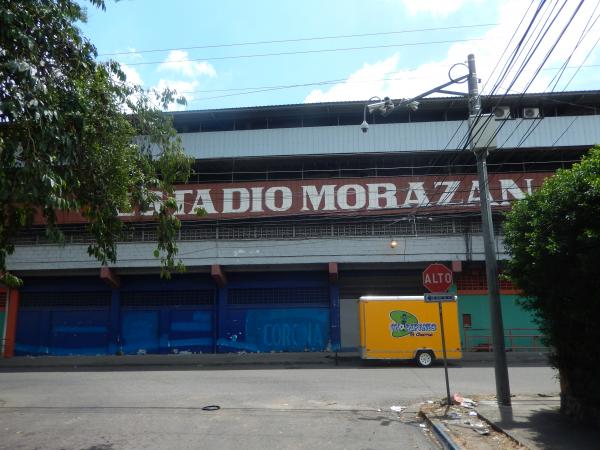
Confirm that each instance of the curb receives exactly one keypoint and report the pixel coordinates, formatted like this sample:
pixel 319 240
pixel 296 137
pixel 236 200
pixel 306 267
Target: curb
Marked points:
pixel 441 432
pixel 218 360
pixel 153 361
pixel 502 430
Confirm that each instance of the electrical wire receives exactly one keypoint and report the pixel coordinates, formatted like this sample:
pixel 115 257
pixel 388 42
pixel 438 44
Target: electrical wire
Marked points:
pixel 305 52
pixel 554 81
pixel 305 39
pixel 528 57
pixel 465 139
pixel 525 62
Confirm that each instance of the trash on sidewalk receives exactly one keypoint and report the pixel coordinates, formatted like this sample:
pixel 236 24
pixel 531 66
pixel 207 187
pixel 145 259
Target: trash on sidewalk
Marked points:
pixel 397 408
pixel 464 401
pixel 475 423
pixel 466 425
pixel 478 426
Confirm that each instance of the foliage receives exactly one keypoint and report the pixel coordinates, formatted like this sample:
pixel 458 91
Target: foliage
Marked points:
pixel 553 237
pixel 76 137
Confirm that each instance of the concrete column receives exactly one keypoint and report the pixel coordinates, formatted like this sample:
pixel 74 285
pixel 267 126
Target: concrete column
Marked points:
pixel 12 310
pixel 3 321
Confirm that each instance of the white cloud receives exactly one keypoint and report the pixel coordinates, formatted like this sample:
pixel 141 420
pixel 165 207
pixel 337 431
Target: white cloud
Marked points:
pixel 359 85
pixel 392 77
pixel 133 54
pixel 183 88
pixel 433 7
pixel 178 61
pixel 133 76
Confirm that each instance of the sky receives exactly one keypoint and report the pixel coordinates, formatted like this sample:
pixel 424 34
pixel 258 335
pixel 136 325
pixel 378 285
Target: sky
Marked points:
pixel 238 53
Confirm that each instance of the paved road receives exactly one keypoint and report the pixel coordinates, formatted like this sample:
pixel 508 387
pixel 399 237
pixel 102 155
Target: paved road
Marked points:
pixel 263 408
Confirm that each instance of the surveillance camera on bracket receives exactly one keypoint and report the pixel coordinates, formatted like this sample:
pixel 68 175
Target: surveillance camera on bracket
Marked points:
pixel 413 106
pixel 364 126
pixel 385 106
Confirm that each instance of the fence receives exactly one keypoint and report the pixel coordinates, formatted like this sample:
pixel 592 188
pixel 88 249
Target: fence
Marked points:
pixel 515 340
pixel 265 231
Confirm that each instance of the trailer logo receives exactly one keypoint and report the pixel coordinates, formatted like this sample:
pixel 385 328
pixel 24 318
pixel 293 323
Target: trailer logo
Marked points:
pixel 407 324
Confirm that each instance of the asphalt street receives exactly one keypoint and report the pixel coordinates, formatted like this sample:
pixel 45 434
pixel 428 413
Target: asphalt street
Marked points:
pixel 332 407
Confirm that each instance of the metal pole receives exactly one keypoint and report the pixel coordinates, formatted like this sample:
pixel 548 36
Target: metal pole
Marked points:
pixel 491 265
pixel 444 353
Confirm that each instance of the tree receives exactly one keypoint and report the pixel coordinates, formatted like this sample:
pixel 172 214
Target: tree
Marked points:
pixel 553 237
pixel 76 136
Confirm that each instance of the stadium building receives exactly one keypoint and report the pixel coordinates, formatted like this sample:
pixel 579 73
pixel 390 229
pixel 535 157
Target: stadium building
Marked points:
pixel 304 214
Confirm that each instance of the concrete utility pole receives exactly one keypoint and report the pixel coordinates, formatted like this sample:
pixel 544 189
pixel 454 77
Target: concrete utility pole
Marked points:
pixel 491 265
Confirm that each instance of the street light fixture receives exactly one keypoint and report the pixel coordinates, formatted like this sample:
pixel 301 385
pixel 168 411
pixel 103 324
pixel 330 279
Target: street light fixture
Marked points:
pixel 386 106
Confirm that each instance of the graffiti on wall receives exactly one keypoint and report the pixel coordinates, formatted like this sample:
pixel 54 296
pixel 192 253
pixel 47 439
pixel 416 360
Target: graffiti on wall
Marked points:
pixel 292 330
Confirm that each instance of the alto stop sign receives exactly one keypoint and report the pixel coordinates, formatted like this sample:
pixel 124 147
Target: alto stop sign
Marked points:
pixel 437 278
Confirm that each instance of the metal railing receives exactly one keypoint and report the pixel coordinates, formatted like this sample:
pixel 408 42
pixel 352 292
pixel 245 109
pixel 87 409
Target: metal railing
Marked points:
pixel 515 340
pixel 273 231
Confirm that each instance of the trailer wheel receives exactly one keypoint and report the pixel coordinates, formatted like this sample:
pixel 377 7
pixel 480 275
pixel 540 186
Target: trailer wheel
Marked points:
pixel 425 358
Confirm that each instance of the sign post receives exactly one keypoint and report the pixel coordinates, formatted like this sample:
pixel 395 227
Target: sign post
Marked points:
pixel 437 278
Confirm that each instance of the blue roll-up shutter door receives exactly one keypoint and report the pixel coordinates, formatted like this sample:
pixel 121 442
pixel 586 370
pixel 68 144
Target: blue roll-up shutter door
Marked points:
pixel 167 321
pixel 63 323
pixel 278 319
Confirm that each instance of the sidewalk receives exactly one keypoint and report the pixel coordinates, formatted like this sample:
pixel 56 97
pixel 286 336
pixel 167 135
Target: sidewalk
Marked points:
pixel 535 422
pixel 237 359
pixel 532 422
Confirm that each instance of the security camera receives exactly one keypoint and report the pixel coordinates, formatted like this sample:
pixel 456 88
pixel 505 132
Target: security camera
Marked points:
pixel 384 106
pixel 388 106
pixel 413 106
pixel 379 106
pixel 364 126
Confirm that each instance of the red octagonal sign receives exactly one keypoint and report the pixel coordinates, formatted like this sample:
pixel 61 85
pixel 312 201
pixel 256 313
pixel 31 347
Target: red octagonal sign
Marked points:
pixel 437 278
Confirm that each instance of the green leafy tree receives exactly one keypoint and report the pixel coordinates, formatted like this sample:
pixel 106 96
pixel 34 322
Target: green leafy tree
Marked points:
pixel 75 136
pixel 553 237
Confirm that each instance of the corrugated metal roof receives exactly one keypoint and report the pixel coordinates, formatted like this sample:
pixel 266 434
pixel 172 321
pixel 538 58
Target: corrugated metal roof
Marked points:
pixel 360 103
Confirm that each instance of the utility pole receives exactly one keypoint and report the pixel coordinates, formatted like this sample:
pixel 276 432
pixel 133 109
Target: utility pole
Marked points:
pixel 476 132
pixel 491 265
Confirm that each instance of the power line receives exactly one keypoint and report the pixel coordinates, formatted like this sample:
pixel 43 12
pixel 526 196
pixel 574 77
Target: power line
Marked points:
pixel 305 39
pixel 464 141
pixel 559 75
pixel 281 87
pixel 305 52
pixel 530 52
pixel 259 89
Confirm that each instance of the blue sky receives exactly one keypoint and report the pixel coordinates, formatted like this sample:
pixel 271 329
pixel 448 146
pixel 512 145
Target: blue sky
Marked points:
pixel 400 62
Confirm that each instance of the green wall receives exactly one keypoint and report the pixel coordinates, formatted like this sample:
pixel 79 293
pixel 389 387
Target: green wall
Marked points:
pixel 514 316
